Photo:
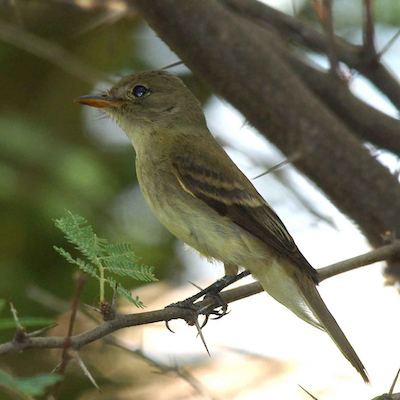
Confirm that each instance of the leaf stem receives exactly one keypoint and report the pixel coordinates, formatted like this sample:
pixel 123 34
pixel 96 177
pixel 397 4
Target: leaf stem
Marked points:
pixel 102 280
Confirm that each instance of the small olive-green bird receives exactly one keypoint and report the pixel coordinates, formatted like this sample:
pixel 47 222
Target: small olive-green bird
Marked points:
pixel 202 197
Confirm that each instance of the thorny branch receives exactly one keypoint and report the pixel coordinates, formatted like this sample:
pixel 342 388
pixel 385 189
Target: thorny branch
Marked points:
pixel 355 56
pixel 128 320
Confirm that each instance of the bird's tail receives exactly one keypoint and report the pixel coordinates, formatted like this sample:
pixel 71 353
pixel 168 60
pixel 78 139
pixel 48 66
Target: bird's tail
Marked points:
pixel 329 324
pixel 298 292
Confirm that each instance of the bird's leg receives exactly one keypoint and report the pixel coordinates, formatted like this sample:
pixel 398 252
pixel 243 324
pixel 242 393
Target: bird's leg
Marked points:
pixel 213 291
pixel 231 275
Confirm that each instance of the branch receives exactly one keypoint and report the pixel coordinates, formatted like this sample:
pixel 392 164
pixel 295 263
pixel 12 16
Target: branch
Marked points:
pixel 368 123
pixel 128 320
pixel 356 57
pixel 381 254
pixel 243 62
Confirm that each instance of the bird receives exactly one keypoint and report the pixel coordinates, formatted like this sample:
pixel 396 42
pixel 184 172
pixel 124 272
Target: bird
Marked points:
pixel 201 196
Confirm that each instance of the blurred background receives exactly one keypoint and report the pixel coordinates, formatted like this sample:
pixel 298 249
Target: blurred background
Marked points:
pixel 57 155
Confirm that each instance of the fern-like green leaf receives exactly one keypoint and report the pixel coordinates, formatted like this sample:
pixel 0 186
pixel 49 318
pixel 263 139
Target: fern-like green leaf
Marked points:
pixel 89 269
pixel 112 282
pixel 127 294
pixel 118 258
pixel 124 292
pixel 85 267
pixel 142 272
pixel 78 232
pixel 121 252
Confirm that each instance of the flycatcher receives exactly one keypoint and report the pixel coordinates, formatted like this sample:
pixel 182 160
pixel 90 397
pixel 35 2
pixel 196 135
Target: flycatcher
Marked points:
pixel 202 197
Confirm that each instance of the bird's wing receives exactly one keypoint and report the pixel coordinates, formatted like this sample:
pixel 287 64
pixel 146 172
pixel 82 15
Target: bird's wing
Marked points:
pixel 232 195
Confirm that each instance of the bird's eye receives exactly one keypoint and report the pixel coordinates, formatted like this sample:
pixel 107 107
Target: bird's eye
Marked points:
pixel 139 91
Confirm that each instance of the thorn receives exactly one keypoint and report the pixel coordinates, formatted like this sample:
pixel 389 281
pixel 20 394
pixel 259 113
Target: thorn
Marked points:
pixel 40 331
pixel 301 387
pixel 15 315
pixel 200 333
pixel 93 308
pixel 245 123
pixel 196 286
pixel 175 64
pixel 85 370
pixel 389 44
pixel 56 368
pixel 289 160
pixel 20 332
pixel 394 382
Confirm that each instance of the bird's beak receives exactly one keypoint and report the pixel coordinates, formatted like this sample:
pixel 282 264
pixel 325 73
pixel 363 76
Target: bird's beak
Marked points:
pixel 100 101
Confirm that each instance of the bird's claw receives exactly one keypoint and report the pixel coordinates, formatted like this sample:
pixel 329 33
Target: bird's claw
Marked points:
pixel 218 309
pixel 188 305
pixel 220 303
pixel 167 325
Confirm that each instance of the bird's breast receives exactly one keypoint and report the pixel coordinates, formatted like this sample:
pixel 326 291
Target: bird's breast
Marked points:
pixel 193 221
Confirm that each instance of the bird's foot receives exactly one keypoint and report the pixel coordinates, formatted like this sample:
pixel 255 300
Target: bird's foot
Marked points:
pixel 218 307
pixel 196 309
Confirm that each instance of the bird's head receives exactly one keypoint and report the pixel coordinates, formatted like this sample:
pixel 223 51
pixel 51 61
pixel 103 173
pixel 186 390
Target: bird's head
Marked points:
pixel 148 102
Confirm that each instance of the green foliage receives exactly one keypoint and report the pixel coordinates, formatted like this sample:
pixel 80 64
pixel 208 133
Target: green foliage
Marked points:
pixel 115 258
pixel 34 385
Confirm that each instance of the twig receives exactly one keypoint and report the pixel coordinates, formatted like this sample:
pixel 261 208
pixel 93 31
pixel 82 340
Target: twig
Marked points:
pixel 368 30
pixel 179 371
pixel 366 122
pixel 313 397
pixel 43 297
pixel 383 253
pixel 330 33
pixel 394 382
pixel 303 34
pixel 175 64
pixel 66 357
pixel 290 160
pixel 164 368
pixel 389 44
pixel 127 320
